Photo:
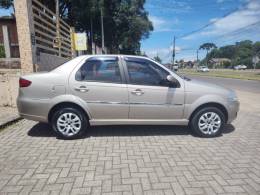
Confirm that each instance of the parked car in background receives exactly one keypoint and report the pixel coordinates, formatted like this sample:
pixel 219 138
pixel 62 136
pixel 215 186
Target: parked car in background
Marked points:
pixel 123 90
pixel 175 67
pixel 240 67
pixel 203 69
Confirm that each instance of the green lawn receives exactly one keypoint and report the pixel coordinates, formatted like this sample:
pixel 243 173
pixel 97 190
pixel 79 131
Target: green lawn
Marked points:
pixel 225 73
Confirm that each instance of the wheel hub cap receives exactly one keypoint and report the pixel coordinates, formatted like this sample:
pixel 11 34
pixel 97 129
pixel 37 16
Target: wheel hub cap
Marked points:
pixel 69 124
pixel 209 123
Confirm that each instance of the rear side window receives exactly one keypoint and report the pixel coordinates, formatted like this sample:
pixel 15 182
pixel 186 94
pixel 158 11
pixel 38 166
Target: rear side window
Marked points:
pixel 100 70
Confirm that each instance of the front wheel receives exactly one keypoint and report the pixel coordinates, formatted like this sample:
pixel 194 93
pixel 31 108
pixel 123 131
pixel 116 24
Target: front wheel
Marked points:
pixel 208 122
pixel 69 123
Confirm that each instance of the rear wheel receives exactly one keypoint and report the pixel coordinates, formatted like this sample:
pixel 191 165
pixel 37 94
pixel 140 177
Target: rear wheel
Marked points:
pixel 208 122
pixel 69 123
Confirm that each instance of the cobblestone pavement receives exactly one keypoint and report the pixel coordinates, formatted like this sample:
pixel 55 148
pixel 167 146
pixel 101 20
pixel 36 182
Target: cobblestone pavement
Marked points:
pixel 133 159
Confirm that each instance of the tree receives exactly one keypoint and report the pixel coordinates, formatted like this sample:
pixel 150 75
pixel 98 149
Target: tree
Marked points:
pixel 158 59
pixel 208 46
pixel 6 3
pixel 2 51
pixel 256 48
pixel 240 53
pixel 181 63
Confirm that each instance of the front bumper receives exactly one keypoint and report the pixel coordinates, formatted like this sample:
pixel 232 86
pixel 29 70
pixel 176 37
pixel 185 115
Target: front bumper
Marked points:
pixel 233 108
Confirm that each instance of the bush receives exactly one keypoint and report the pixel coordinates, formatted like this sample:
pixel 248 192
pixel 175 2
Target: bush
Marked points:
pixel 2 51
pixel 226 64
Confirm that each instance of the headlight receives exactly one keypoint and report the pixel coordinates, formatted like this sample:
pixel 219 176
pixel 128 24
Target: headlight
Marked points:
pixel 232 96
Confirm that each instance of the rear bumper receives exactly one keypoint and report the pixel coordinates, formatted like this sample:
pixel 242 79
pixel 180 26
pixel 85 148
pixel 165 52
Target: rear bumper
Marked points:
pixel 233 109
pixel 33 109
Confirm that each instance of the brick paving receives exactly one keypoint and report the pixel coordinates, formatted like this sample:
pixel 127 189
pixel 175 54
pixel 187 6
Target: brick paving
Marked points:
pixel 133 159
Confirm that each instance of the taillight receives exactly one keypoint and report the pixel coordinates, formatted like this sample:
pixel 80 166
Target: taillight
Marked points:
pixel 24 82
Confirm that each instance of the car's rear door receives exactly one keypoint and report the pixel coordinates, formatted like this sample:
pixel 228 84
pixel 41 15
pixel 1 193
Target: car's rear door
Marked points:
pixel 150 97
pixel 100 82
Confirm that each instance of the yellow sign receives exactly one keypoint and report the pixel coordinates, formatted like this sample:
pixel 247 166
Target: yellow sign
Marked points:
pixel 80 41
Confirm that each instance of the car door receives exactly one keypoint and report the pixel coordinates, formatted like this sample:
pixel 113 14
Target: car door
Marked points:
pixel 99 81
pixel 150 94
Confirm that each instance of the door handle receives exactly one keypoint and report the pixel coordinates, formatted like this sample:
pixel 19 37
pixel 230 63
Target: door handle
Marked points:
pixel 137 92
pixel 81 89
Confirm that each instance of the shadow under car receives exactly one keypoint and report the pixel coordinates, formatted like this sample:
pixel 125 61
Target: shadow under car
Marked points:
pixel 45 130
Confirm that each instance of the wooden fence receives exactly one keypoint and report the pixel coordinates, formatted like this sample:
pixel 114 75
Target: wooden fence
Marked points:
pixel 47 32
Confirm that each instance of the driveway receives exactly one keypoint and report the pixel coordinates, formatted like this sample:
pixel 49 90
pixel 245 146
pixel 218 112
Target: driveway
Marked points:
pixel 134 159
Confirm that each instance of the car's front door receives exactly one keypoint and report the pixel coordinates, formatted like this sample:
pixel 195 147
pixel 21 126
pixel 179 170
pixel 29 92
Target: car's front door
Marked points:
pixel 150 95
pixel 99 82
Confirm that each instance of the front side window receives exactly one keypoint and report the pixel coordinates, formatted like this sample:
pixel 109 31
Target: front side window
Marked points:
pixel 145 72
pixel 99 70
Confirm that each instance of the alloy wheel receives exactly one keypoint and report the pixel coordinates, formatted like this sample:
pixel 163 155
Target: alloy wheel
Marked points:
pixel 209 123
pixel 69 124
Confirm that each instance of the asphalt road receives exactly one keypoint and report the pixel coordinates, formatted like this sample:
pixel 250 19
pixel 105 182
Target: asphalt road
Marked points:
pixel 236 84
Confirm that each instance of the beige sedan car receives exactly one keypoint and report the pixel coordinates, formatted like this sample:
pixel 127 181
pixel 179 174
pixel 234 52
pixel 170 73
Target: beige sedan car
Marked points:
pixel 123 90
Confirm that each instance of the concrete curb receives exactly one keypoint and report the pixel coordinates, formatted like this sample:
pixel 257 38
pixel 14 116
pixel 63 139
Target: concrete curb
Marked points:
pixel 10 120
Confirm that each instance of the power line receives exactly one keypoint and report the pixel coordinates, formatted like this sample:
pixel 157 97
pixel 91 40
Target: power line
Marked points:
pixel 234 33
pixel 240 30
pixel 210 23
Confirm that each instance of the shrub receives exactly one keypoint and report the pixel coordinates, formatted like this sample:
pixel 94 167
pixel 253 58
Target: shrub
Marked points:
pixel 2 51
pixel 226 64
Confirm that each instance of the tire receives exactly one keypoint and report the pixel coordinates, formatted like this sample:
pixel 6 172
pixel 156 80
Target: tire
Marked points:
pixel 204 126
pixel 69 123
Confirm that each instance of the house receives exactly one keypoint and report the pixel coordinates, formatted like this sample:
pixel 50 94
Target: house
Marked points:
pixel 9 43
pixel 8 36
pixel 168 65
pixel 219 62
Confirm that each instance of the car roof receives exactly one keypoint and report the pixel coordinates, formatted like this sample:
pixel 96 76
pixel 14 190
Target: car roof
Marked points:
pixel 116 55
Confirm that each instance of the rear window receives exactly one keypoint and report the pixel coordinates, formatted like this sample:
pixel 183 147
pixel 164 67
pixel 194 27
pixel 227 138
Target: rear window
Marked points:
pixel 100 70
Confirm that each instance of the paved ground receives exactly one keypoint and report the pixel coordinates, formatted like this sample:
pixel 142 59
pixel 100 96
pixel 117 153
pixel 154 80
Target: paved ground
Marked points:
pixel 134 160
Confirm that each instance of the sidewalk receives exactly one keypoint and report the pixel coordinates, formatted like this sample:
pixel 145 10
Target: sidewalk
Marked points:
pixel 8 115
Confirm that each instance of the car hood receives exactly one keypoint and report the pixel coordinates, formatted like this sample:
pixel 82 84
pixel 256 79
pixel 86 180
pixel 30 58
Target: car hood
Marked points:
pixel 205 87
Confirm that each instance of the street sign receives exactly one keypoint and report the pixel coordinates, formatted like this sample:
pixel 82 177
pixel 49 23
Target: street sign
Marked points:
pixel 80 41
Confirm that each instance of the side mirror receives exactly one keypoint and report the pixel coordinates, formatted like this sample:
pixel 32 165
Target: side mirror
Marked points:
pixel 173 82
pixel 170 78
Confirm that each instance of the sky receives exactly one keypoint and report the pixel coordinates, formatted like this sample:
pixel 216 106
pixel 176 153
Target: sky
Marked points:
pixel 5 12
pixel 230 21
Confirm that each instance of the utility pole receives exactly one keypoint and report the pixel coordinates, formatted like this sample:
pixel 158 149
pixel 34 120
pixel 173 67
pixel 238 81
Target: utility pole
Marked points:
pixel 102 31
pixel 91 35
pixel 173 51
pixel 197 55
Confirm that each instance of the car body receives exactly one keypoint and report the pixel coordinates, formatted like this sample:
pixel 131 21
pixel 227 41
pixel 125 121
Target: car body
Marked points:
pixel 121 90
pixel 175 67
pixel 203 69
pixel 240 67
